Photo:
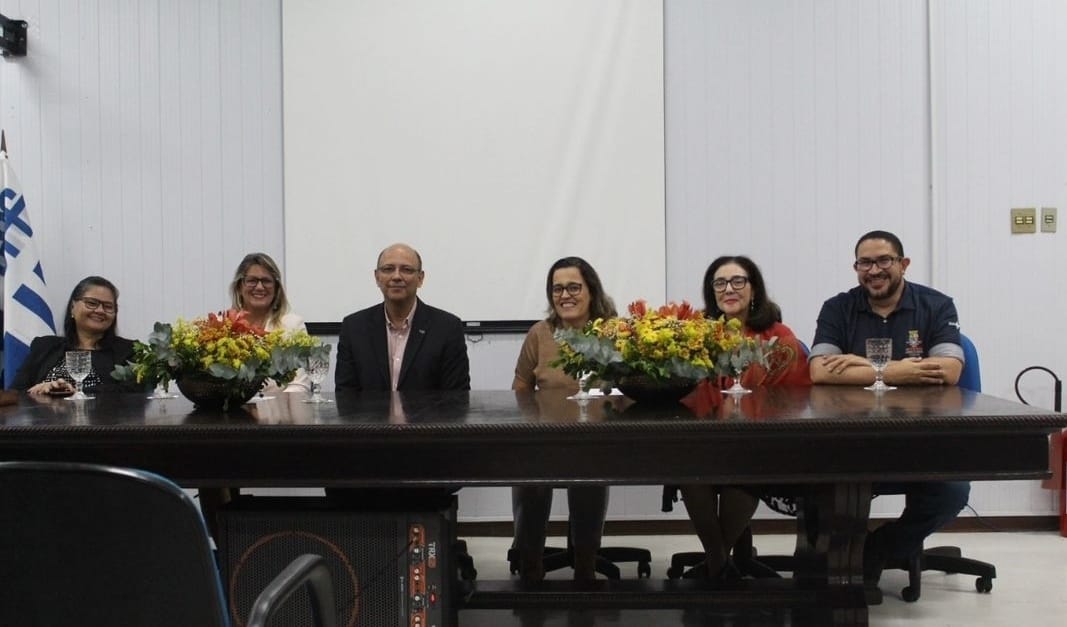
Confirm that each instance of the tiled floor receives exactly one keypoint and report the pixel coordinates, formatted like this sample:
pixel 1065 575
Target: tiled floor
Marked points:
pixel 1030 589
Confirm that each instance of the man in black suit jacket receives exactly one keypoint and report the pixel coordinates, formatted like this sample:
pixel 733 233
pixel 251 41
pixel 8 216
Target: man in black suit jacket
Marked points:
pixel 401 343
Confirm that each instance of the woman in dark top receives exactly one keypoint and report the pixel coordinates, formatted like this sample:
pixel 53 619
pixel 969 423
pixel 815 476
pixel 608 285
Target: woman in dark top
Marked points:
pixel 89 325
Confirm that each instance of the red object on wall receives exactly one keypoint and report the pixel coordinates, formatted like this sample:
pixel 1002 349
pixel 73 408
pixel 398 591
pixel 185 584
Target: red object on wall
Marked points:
pixel 1063 484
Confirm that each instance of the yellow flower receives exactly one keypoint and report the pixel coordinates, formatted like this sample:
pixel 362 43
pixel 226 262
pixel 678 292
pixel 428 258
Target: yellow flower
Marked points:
pixel 673 340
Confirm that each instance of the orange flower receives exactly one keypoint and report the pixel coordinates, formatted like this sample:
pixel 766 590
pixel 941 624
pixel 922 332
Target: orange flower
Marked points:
pixel 638 308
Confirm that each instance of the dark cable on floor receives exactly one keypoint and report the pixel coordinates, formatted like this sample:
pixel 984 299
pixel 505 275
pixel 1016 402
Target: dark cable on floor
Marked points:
pixel 981 521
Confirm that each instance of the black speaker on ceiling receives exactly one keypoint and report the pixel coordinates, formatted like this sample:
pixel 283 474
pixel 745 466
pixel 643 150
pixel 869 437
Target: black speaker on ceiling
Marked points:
pixel 389 568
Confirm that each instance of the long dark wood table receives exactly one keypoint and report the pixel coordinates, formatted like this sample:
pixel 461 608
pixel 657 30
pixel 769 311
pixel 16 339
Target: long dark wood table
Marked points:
pixel 830 442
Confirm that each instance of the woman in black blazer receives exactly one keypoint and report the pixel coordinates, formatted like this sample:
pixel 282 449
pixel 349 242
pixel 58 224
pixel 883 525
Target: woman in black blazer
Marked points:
pixel 89 324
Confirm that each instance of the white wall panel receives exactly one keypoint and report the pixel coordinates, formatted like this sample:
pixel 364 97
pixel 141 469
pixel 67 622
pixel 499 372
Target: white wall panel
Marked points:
pixel 792 128
pixel 147 136
pixel 1001 134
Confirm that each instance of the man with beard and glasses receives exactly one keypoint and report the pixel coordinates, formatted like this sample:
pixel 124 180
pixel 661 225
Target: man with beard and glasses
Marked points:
pixel 924 327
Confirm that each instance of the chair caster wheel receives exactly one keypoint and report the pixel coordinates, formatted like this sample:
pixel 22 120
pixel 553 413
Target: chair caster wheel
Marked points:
pixel 644 569
pixel 983 584
pixel 675 572
pixel 909 594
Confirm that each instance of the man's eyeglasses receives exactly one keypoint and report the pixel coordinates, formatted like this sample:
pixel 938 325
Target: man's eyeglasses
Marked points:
pixel 252 281
pixel 737 282
pixel 573 289
pixel 93 304
pixel 404 270
pixel 863 264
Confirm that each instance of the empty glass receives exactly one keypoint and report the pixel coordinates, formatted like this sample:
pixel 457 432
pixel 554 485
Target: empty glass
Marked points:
pixel 879 352
pixel 318 365
pixel 739 363
pixel 79 365
pixel 583 388
pixel 162 392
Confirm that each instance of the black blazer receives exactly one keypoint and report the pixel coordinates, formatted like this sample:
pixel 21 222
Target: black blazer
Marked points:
pixel 49 350
pixel 435 357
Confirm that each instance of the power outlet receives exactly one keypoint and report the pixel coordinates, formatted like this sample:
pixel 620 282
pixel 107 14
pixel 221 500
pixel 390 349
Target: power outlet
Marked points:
pixel 1048 219
pixel 1024 220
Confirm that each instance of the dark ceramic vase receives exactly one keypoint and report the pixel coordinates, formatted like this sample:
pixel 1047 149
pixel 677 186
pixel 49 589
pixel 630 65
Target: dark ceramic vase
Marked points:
pixel 647 390
pixel 207 392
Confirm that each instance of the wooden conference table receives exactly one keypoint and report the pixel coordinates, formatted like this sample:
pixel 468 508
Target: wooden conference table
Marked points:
pixel 833 441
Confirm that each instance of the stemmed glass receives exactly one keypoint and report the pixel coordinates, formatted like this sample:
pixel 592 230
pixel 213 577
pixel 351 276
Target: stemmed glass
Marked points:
pixel 739 363
pixel 879 352
pixel 318 365
pixel 79 365
pixel 583 387
pixel 162 392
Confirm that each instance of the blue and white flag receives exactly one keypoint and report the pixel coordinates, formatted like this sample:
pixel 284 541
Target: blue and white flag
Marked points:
pixel 26 311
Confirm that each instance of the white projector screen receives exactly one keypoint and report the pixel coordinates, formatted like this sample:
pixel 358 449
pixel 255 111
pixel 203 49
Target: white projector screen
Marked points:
pixel 494 137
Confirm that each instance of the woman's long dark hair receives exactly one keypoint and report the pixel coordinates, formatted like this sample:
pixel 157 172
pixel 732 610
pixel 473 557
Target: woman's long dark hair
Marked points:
pixel 763 312
pixel 600 304
pixel 70 330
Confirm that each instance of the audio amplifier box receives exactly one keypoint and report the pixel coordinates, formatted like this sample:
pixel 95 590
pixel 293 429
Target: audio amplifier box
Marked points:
pixel 389 569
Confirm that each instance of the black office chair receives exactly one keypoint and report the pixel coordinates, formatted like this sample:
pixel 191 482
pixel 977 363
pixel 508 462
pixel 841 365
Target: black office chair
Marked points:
pixel 744 555
pixel 608 558
pixel 93 545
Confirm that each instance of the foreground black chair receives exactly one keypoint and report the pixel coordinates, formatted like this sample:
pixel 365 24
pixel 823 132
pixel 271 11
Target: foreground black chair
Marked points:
pixel 95 546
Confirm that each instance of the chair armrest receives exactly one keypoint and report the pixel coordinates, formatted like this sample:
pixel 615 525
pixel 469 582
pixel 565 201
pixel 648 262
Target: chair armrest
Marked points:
pixel 307 570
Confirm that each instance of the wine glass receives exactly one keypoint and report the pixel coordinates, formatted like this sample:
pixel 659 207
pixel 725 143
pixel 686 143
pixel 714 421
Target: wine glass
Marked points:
pixel 583 387
pixel 79 365
pixel 739 363
pixel 879 352
pixel 318 365
pixel 162 392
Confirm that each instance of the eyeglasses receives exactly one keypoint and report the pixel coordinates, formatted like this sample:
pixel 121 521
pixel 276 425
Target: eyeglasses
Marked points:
pixel 863 264
pixel 573 289
pixel 92 304
pixel 252 281
pixel 404 270
pixel 737 282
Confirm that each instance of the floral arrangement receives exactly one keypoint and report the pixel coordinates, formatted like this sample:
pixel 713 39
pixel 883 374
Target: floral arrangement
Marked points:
pixel 671 342
pixel 224 346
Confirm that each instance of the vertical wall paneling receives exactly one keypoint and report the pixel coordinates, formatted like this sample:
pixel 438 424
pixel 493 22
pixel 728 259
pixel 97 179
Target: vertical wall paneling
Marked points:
pixel 792 128
pixel 147 136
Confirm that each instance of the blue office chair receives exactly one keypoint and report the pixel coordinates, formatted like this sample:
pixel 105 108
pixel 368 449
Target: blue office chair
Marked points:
pixel 971 377
pixel 949 559
pixel 96 546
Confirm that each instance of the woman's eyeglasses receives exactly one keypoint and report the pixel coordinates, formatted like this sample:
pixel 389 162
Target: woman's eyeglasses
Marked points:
pixel 573 289
pixel 92 304
pixel 737 282
pixel 252 281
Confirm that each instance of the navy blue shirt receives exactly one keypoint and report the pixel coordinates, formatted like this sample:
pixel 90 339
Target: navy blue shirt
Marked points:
pixel 924 324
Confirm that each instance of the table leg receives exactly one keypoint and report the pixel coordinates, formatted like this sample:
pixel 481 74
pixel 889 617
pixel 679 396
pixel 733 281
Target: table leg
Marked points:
pixel 831 528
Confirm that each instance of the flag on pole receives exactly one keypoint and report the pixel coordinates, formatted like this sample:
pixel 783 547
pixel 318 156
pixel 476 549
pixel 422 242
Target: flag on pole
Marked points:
pixel 26 311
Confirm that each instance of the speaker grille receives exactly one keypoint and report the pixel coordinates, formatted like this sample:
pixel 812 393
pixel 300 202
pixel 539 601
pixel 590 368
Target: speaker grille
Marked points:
pixel 367 554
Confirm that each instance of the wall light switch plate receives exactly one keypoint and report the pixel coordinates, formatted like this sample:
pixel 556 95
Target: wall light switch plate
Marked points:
pixel 1024 220
pixel 1048 219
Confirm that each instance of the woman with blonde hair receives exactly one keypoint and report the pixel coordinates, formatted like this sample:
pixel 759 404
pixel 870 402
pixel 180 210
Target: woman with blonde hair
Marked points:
pixel 257 290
